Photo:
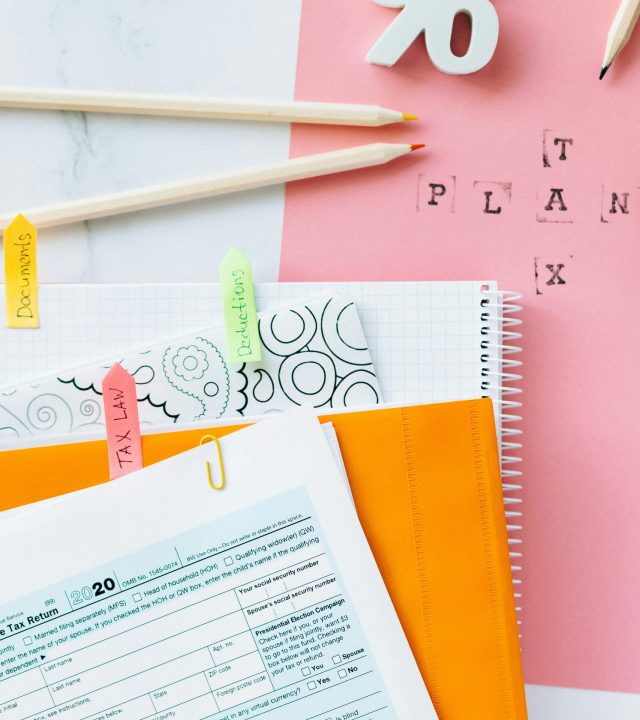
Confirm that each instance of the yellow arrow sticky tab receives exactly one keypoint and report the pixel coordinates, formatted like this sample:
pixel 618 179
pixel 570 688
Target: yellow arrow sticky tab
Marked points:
pixel 239 307
pixel 20 274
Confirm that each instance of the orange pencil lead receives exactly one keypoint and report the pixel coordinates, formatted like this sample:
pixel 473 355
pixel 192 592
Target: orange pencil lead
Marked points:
pixel 417 147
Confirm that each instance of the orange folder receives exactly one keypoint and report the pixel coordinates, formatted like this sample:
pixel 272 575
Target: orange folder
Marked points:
pixel 426 484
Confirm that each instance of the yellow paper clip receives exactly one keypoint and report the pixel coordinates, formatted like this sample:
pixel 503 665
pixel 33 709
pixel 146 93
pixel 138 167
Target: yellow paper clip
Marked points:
pixel 212 438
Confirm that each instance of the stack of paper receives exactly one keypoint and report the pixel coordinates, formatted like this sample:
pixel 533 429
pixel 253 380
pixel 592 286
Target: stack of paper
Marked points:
pixel 337 559
pixel 183 602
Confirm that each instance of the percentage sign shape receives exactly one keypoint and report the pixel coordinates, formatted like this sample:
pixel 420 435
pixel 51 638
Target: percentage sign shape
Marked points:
pixel 435 18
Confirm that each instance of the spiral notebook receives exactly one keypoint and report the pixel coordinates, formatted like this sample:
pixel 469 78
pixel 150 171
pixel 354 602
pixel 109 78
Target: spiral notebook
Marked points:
pixel 429 341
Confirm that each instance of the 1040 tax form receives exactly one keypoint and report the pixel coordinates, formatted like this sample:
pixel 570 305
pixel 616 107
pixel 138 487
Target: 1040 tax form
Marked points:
pixel 156 597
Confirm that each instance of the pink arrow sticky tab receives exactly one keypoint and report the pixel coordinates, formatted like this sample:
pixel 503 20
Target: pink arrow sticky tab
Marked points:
pixel 123 425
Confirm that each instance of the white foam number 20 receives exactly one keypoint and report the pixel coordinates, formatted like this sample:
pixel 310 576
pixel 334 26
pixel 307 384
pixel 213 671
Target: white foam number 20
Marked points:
pixel 436 18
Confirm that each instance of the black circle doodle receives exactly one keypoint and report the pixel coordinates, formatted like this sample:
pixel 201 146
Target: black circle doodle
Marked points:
pixel 294 387
pixel 190 362
pixel 307 380
pixel 301 327
pixel 336 317
pixel 264 388
pixel 358 385
pixel 211 389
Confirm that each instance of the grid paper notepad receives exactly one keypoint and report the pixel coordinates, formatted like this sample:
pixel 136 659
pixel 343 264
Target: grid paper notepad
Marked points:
pixel 425 338
pixel 429 341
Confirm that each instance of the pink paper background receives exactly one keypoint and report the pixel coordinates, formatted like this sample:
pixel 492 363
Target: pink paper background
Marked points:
pixel 582 388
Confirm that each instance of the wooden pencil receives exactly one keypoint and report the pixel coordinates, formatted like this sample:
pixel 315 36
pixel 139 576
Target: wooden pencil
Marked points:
pixel 200 107
pixel 150 197
pixel 620 32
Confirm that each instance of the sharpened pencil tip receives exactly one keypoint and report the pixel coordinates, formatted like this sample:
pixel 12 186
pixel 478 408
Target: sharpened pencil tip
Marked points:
pixel 406 116
pixel 603 72
pixel 417 146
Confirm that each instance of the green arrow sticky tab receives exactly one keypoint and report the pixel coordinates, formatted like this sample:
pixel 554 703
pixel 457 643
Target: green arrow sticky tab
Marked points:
pixel 239 306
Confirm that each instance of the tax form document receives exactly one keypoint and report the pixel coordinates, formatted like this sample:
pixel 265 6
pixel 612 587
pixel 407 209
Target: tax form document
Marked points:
pixel 157 597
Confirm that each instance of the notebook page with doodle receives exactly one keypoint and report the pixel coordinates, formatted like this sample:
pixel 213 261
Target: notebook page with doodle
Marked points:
pixel 425 339
pixel 313 353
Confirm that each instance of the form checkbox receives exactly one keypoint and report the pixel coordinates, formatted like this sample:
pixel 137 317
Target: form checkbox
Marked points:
pixel 312 685
pixel 228 560
pixel 336 659
pixel 28 640
pixel 342 673
pixel 306 671
pixel 137 597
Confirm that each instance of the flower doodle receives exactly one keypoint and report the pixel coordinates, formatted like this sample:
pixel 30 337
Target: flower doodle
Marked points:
pixel 198 371
pixel 190 363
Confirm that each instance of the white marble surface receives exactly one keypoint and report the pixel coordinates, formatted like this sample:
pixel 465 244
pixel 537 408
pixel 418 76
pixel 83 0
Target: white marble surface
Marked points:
pixel 556 703
pixel 226 48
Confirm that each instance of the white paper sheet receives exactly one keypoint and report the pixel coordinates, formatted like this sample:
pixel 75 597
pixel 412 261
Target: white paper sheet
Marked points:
pixel 309 629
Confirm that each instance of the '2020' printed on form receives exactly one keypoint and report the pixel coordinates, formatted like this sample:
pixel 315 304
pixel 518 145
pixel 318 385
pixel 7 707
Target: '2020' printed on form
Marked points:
pixel 209 624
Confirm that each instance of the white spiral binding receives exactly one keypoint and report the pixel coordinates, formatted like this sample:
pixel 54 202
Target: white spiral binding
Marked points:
pixel 499 381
